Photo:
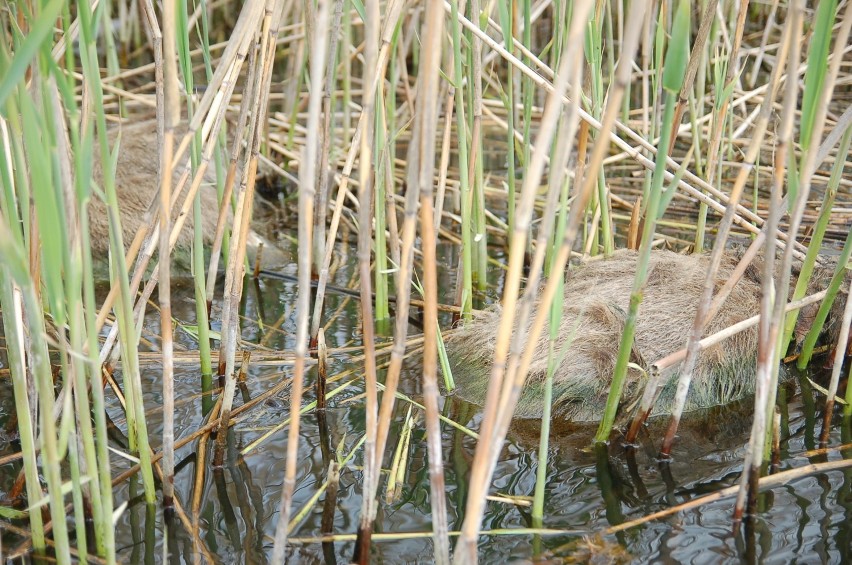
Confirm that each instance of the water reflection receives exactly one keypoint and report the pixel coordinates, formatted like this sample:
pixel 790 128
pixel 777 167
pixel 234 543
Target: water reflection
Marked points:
pixel 587 490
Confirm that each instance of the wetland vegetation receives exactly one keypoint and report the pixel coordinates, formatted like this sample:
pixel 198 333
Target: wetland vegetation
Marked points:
pixel 256 258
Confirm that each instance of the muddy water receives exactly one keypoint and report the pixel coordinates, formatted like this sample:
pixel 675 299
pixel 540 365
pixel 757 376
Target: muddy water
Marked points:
pixel 588 490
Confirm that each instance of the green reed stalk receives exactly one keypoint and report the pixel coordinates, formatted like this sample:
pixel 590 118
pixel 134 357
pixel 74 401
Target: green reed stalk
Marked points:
pixel 346 72
pixel 847 408
pixel 527 89
pixel 15 188
pixel 658 45
pixel 827 302
pixel 111 53
pixel 478 184
pixel 83 368
pixel 13 329
pixel 815 75
pixel 389 160
pixel 506 14
pixel 137 430
pixel 382 312
pixel 610 53
pixel 201 297
pixel 15 269
pixel 553 362
pixel 818 235
pixel 466 303
pixel 675 69
pixel 84 338
pixel 594 58
pixel 79 507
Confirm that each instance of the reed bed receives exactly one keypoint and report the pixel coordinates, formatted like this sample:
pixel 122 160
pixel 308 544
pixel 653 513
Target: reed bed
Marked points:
pixel 516 135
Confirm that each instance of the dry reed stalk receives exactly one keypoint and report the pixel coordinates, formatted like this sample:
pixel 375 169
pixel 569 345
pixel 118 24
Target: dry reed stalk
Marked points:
pixel 201 465
pixel 497 396
pixel 323 172
pixel 443 166
pixel 754 455
pixel 731 69
pixel 839 350
pixel 393 13
pixel 307 192
pixel 258 79
pixel 361 552
pixel 427 96
pixel 228 187
pixel 782 478
pixel 695 56
pixel 322 370
pixel 720 242
pixel 693 185
pixel 170 117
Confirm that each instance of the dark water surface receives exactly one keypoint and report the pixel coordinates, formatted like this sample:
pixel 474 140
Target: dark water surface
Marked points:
pixel 808 520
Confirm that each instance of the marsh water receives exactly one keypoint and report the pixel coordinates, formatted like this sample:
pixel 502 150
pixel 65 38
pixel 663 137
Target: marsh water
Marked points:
pixel 588 490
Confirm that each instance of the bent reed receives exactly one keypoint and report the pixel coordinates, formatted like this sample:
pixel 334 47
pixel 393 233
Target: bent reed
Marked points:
pixel 597 295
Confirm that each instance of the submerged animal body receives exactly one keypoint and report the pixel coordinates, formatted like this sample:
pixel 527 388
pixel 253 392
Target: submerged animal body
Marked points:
pixel 595 306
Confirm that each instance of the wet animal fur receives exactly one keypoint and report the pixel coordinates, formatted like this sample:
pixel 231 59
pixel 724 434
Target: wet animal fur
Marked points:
pixel 595 309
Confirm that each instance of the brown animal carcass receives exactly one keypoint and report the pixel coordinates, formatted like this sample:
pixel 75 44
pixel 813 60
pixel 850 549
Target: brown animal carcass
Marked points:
pixel 595 306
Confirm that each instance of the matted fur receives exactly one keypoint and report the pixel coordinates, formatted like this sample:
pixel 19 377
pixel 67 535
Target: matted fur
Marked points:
pixel 597 296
